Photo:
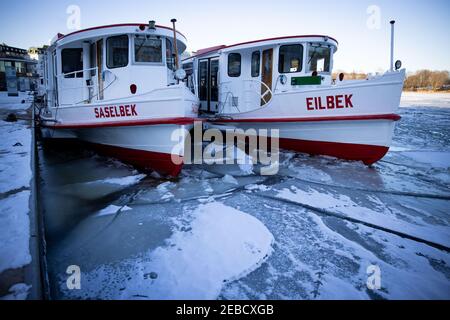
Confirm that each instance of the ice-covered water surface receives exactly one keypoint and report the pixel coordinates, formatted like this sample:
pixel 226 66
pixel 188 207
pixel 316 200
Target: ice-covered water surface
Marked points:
pixel 316 230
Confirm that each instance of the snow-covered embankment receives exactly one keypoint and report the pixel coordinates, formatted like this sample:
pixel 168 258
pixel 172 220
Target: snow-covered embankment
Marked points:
pixel 15 192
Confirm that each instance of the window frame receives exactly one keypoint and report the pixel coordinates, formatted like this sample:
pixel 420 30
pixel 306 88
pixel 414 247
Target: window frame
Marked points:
pixel 259 64
pixel 330 57
pixel 240 65
pixel 163 52
pixel 73 75
pixel 280 71
pixel 108 54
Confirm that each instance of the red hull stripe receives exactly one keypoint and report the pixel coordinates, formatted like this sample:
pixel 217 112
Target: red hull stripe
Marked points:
pixel 361 152
pixel 160 162
pixel 393 117
pixel 147 122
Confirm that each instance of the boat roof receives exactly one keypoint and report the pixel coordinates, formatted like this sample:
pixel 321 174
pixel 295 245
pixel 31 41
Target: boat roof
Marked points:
pixel 109 30
pixel 262 42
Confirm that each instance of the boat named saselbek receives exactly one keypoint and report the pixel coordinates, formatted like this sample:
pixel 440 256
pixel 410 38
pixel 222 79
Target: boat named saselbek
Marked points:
pixel 116 88
pixel 286 83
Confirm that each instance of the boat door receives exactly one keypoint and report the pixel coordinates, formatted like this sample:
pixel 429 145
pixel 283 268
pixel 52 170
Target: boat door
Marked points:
pixel 208 78
pixel 266 76
pixel 100 68
pixel 214 85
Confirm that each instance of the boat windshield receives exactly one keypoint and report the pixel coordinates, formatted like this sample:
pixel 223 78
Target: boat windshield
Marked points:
pixel 319 58
pixel 147 49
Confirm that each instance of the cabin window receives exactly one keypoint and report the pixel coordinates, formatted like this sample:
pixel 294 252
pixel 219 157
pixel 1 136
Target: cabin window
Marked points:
pixel 169 55
pixel 72 60
pixel 256 63
pixel 290 58
pixel 319 59
pixel 148 50
pixel 234 64
pixel 117 52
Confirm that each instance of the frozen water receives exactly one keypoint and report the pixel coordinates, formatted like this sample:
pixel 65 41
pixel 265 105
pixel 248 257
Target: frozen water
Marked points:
pixel 418 99
pixel 211 245
pixel 112 209
pixel 324 220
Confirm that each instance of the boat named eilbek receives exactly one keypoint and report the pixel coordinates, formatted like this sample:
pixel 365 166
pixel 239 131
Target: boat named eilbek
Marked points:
pixel 286 83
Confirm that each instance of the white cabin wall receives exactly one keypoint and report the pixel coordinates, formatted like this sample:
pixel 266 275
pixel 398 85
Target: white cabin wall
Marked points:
pixel 245 88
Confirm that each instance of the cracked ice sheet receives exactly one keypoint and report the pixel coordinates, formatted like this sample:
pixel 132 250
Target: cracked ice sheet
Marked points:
pixel 371 209
pixel 327 258
pixel 220 244
pixel 196 184
pixel 409 270
pixel 98 188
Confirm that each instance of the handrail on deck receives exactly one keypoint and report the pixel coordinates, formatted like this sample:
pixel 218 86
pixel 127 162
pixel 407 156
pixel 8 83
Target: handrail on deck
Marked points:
pixel 64 75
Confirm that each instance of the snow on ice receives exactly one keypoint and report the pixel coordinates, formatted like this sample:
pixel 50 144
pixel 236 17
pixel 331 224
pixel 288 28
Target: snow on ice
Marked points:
pixel 220 244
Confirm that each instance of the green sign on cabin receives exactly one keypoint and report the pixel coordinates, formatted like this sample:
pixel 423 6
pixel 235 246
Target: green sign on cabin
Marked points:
pixel 306 81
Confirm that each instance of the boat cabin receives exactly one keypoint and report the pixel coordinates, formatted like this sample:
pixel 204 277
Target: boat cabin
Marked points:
pixel 110 62
pixel 245 76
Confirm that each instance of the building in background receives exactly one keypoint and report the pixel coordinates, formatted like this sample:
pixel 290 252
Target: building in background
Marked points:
pixel 24 66
pixel 38 54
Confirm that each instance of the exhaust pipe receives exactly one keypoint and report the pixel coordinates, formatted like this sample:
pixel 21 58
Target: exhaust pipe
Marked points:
pixel 175 43
pixel 392 45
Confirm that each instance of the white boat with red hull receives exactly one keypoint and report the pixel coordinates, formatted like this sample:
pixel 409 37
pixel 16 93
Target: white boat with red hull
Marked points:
pixel 286 83
pixel 116 88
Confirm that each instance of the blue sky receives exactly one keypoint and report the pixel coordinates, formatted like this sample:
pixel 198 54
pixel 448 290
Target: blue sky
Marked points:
pixel 422 39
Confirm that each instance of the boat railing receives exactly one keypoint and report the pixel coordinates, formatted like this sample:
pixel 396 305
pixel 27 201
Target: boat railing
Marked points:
pixel 75 73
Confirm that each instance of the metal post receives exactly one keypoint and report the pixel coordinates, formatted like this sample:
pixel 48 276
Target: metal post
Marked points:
pixel 392 45
pixel 175 42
